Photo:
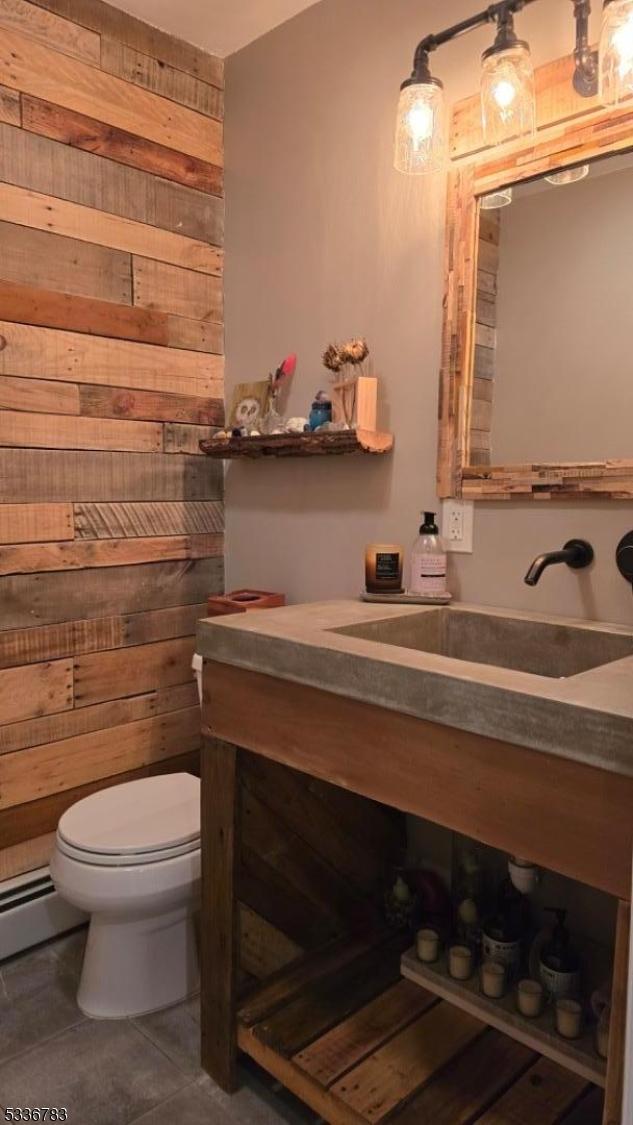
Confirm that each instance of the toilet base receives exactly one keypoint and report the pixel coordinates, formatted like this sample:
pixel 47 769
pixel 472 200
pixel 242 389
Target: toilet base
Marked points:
pixel 133 966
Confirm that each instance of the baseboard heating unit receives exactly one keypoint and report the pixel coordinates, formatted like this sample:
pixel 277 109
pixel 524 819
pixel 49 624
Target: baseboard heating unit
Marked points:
pixel 31 911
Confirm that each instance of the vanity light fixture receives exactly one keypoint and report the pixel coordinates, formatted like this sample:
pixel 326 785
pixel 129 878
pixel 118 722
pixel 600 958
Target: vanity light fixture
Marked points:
pixel 616 52
pixel 496 199
pixel 508 100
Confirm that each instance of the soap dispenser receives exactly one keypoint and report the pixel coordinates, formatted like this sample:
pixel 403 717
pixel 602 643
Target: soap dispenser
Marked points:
pixel 428 561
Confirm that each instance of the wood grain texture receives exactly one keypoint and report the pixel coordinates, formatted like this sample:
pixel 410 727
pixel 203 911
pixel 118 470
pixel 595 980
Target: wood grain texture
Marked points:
pixel 179 291
pixel 121 521
pixel 544 1093
pixel 61 34
pixel 43 770
pixel 27 856
pixel 112 22
pixel 35 523
pixel 65 172
pixel 40 689
pixel 181 438
pixel 616 1063
pixel 32 352
pixel 65 264
pixel 55 476
pixel 45 599
pixel 28 304
pixel 109 402
pixel 113 675
pixel 143 70
pixel 40 431
pixel 28 66
pixel 45 213
pixel 589 838
pixel 9 106
pixel 103 716
pixel 38 558
pixel 38 395
pixel 86 133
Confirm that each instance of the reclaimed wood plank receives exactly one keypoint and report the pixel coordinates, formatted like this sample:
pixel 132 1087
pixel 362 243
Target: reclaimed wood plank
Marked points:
pixel 121 521
pixel 544 1093
pixel 72 357
pixel 267 892
pixel 117 24
pixel 616 1062
pixel 32 68
pixel 41 816
pixel 180 437
pixel 114 674
pixel 53 31
pixel 588 1111
pixel 46 599
pixel 40 689
pixel 43 396
pixel 60 217
pixel 10 113
pixel 219 928
pixel 350 1041
pixel 83 720
pixel 36 523
pixel 35 162
pixel 174 290
pixel 62 476
pixel 264 949
pixel 199 335
pixel 28 304
pixel 469 1083
pixel 27 856
pixel 73 638
pixel 86 133
pixel 117 402
pixel 397 1069
pixel 161 78
pixel 37 558
pixel 66 264
pixel 44 431
pixel 40 771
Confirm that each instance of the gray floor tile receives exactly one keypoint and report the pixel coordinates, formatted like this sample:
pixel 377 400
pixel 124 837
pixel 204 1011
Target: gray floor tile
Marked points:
pixel 69 951
pixel 105 1073
pixel 176 1031
pixel 189 1107
pixel 38 1000
pixel 256 1102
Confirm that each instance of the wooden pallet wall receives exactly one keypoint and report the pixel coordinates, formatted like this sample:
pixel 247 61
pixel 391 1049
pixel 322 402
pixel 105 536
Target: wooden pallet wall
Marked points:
pixel 111 370
pixel 480 433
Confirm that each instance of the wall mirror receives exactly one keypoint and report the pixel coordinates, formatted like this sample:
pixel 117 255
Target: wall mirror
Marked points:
pixel 537 379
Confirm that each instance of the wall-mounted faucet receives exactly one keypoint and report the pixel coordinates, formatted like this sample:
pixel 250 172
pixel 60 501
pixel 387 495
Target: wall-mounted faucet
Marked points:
pixel 577 553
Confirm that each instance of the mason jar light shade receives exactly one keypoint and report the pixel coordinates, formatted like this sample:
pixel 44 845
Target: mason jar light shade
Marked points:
pixel 616 52
pixel 421 128
pixel 508 103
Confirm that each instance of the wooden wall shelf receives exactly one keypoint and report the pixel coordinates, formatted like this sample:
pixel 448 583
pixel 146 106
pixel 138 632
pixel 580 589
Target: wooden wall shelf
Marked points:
pixel 356 1043
pixel 298 445
pixel 539 1034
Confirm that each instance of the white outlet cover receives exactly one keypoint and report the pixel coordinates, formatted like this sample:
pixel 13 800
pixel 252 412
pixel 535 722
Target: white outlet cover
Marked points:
pixel 450 510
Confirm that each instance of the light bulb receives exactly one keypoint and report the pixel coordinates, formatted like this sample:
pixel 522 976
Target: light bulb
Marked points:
pixel 616 52
pixel 508 103
pixel 420 128
pixel 504 94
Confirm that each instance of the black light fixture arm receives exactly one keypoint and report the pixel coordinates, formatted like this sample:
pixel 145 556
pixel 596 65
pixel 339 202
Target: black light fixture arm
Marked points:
pixel 586 71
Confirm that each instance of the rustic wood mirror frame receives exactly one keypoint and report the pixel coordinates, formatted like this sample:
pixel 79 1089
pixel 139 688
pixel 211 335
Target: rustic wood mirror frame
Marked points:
pixel 571 130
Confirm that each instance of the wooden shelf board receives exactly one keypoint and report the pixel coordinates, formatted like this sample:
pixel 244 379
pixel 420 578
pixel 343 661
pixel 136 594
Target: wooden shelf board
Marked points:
pixel 298 445
pixel 360 1045
pixel 539 1034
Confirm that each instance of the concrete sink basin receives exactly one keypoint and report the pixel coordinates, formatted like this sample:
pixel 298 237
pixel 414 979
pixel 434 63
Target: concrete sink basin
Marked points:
pixel 520 644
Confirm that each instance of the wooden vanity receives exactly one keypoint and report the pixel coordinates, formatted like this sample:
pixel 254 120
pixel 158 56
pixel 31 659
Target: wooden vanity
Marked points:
pixel 337 1025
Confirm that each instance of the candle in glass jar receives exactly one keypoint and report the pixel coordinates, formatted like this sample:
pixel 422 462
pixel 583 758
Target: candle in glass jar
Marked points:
pixel 530 998
pixel 493 979
pixel 568 1018
pixel 602 1038
pixel 428 945
pixel 460 962
pixel 383 568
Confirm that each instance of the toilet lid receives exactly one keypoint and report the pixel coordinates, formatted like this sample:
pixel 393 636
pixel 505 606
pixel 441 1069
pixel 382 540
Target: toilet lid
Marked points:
pixel 154 814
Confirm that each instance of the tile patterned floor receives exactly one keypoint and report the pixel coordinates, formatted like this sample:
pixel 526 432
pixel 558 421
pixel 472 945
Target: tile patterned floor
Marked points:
pixel 144 1071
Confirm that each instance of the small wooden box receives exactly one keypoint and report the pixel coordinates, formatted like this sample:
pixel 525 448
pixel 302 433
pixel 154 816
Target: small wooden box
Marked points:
pixel 240 601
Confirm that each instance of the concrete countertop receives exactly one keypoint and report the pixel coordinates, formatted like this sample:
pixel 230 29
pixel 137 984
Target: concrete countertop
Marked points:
pixel 586 717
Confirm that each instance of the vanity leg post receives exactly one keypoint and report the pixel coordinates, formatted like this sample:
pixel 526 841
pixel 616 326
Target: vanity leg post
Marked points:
pixel 219 921
pixel 617 1034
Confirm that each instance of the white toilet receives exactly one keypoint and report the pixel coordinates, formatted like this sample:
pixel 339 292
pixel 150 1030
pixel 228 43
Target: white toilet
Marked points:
pixel 130 857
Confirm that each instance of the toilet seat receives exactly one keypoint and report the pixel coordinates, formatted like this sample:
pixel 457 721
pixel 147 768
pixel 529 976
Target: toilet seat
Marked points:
pixel 133 824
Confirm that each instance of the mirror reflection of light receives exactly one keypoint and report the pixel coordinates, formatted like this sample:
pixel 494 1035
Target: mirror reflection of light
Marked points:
pixel 420 122
pixel 623 44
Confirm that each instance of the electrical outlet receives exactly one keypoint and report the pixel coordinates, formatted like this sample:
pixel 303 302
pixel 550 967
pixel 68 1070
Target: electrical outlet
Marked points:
pixel 457 525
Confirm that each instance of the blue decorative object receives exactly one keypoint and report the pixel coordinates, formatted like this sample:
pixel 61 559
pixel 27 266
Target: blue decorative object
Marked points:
pixel 321 411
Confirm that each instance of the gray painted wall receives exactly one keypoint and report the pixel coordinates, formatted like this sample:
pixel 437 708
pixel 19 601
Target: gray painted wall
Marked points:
pixel 325 240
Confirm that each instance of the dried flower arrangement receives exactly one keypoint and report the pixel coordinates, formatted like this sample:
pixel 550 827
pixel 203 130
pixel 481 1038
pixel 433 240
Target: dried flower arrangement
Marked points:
pixel 345 362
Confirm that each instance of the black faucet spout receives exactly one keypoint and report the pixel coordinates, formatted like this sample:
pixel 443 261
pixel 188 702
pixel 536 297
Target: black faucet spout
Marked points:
pixel 577 553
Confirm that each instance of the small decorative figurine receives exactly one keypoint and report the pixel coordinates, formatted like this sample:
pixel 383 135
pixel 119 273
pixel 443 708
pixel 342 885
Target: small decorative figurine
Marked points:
pixel 321 411
pixel 248 406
